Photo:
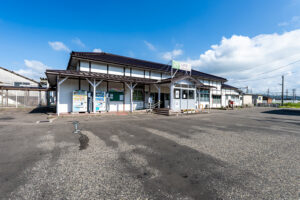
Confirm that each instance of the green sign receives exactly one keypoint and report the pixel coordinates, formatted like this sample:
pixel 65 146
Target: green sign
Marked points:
pixel 116 96
pixel 175 64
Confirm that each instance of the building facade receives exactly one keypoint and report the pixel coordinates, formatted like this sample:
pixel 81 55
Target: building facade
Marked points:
pixel 127 84
pixel 19 91
pixel 10 78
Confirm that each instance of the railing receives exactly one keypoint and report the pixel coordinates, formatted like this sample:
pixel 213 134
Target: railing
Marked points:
pixel 152 106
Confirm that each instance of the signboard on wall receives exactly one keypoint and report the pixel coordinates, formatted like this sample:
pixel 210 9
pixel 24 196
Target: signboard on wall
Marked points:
pixel 181 66
pixel 116 96
pixel 79 101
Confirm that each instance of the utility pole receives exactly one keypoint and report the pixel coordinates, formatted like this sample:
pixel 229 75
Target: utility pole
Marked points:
pixel 268 92
pixel 282 89
pixel 294 96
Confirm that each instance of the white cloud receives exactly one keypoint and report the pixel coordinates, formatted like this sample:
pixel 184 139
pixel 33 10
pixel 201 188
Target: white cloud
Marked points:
pixel 34 69
pixel 169 55
pixel 59 46
pixel 97 50
pixel 149 45
pixel 244 60
pixel 78 42
pixel 294 22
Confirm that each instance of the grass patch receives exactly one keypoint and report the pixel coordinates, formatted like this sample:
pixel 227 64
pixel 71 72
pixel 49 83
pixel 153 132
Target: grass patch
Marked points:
pixel 291 105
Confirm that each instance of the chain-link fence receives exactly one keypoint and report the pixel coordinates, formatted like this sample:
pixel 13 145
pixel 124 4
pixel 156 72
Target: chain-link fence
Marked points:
pixel 23 98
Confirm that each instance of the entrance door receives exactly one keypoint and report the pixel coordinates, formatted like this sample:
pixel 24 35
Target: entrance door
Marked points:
pixel 184 99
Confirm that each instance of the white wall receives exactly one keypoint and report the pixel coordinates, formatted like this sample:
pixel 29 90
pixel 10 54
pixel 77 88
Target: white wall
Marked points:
pixel 115 70
pixel 137 73
pixel 99 68
pixel 65 95
pixel 247 100
pixel 155 75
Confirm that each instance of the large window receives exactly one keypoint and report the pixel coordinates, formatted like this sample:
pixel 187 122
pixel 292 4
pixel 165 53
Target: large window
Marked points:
pixel 216 99
pixel 204 95
pixel 185 94
pixel 138 95
pixel 191 94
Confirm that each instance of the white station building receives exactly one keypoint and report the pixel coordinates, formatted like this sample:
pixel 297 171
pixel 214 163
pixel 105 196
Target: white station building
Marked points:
pixel 127 84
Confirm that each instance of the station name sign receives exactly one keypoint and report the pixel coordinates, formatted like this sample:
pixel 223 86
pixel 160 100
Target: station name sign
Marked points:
pixel 181 66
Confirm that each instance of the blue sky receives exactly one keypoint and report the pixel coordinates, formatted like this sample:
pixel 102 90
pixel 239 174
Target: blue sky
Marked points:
pixel 35 35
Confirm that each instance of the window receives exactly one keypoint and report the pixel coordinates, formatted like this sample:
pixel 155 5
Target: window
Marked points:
pixel 184 94
pixel 216 99
pixel 191 94
pixel 176 94
pixel 138 95
pixel 204 95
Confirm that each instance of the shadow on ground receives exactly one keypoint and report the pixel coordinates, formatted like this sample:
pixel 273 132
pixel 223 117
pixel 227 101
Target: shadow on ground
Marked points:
pixel 173 169
pixel 284 112
pixel 44 110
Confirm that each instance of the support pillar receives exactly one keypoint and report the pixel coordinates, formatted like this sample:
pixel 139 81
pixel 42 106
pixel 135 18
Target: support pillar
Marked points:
pixel 94 85
pixel 158 89
pixel 58 83
pixel 16 98
pixel 131 88
pixel 171 95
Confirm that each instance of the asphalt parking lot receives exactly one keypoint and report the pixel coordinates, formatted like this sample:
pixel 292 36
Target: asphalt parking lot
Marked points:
pixel 240 154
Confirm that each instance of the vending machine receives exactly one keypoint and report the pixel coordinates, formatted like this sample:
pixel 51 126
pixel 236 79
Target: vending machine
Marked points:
pixel 79 101
pixel 100 101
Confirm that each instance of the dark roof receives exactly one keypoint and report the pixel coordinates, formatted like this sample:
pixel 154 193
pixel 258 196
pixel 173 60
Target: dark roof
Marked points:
pixel 51 75
pixel 225 86
pixel 123 60
pixel 19 75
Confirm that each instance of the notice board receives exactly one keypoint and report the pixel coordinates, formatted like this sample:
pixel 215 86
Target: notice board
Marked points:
pixel 116 96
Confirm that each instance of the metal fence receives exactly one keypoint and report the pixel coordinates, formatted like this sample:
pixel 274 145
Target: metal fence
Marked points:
pixel 23 98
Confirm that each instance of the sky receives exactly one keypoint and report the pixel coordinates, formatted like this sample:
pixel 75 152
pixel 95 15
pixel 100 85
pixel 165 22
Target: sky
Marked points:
pixel 250 42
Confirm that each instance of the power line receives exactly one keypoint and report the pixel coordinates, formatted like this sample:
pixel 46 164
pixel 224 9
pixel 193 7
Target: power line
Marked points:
pixel 253 67
pixel 250 79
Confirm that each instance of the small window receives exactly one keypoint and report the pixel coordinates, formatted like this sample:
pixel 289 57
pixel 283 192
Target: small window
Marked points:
pixel 184 94
pixel 138 95
pixel 176 94
pixel 191 94
pixel 216 99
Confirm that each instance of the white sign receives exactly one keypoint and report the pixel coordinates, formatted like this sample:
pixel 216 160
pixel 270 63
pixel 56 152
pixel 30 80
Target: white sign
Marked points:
pixel 181 66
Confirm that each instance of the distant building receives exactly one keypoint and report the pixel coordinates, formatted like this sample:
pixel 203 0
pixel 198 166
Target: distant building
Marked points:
pixel 247 100
pixel 10 78
pixel 230 93
pixel 267 100
pixel 19 91
pixel 257 99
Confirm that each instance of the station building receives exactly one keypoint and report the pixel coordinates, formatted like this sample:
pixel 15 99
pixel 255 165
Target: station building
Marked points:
pixel 127 84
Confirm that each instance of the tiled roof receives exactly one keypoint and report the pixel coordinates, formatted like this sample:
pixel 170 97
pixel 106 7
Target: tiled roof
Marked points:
pixel 122 60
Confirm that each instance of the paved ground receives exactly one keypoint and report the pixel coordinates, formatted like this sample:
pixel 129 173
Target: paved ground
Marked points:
pixel 246 154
